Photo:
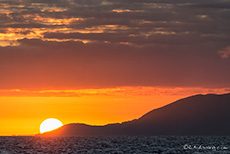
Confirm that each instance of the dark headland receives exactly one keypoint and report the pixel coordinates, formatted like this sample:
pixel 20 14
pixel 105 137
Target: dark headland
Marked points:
pixel 195 115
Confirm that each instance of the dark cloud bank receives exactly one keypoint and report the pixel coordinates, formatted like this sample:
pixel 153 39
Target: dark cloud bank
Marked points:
pixel 150 43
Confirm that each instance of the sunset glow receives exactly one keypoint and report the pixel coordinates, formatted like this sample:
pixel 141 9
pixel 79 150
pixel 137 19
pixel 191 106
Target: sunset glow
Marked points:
pixel 105 61
pixel 104 105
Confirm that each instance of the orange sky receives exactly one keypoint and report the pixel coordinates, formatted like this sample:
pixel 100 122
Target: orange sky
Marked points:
pixel 106 61
pixel 23 111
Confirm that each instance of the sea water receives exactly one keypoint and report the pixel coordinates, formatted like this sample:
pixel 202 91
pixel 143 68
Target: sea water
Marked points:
pixel 115 145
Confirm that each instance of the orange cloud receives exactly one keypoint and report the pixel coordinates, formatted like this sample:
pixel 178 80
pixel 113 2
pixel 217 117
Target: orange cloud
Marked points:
pixel 119 91
pixel 51 21
pixel 126 10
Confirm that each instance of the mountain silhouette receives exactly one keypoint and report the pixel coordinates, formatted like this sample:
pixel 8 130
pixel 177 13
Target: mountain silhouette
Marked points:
pixel 195 115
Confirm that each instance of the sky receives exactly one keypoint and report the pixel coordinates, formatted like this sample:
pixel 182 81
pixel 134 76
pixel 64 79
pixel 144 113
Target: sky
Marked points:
pixel 106 61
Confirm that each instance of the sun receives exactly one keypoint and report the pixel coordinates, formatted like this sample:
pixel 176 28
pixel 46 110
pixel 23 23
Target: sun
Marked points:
pixel 49 125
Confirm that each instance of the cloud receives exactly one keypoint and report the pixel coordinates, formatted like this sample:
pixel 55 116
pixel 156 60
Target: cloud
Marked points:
pixel 225 53
pixel 119 92
pixel 159 21
pixel 37 64
pixel 221 4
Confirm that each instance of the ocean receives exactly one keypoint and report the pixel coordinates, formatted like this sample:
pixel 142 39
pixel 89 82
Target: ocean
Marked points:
pixel 115 145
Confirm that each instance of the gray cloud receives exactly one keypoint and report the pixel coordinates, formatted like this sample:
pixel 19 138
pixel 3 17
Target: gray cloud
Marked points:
pixel 42 64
